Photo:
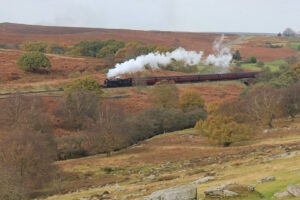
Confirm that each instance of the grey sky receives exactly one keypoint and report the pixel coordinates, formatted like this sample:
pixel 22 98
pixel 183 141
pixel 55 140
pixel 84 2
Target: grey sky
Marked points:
pixel 171 15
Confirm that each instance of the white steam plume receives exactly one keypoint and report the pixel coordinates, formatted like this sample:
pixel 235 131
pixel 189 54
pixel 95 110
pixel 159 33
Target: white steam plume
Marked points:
pixel 221 57
pixel 155 60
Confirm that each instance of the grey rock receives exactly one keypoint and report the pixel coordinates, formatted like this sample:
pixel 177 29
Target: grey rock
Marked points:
pixel 294 190
pixel 229 183
pixel 282 195
pixel 251 188
pixel 228 193
pixel 266 179
pixel 214 191
pixel 186 192
pixel 204 180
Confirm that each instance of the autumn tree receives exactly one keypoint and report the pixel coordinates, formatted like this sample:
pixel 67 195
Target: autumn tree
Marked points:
pixel 262 105
pixel 27 147
pixel 19 111
pixel 78 109
pixel 165 94
pixel 191 99
pixel 109 132
pixel 26 163
pixel 34 46
pixel 223 129
pixel 291 100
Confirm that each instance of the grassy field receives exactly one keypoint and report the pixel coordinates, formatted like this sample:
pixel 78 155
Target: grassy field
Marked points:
pixel 295 45
pixel 180 158
pixel 273 65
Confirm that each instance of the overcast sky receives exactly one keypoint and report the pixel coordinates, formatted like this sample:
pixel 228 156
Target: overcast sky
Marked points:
pixel 171 15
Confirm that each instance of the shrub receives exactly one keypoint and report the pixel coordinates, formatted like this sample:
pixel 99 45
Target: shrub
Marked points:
pixel 253 59
pixel 86 84
pixel 165 94
pixel 87 48
pixel 191 99
pixel 236 55
pixel 223 130
pixel 110 48
pixel 33 61
pixel 56 49
pixel 9 46
pixel 157 120
pixel 34 46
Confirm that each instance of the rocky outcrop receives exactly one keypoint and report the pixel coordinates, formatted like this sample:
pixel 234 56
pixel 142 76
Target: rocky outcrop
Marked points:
pixel 229 189
pixel 282 195
pixel 294 190
pixel 186 192
pixel 214 192
pixel 291 191
pixel 204 180
pixel 103 196
pixel 266 179
pixel 228 193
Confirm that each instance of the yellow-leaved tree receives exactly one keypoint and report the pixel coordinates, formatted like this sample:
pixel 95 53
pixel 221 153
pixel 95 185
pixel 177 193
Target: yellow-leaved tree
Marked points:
pixel 223 130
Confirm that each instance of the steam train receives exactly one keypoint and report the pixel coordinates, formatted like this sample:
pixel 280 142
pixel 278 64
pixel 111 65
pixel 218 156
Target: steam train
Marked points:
pixel 128 82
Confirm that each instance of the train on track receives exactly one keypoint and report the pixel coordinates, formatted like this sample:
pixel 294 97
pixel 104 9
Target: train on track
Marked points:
pixel 128 82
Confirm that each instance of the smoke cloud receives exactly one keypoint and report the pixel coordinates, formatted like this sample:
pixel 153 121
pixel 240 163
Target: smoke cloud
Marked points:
pixel 155 60
pixel 221 57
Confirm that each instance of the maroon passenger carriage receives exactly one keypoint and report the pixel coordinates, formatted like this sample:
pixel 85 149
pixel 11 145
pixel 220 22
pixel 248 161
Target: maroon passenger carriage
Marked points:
pixel 127 82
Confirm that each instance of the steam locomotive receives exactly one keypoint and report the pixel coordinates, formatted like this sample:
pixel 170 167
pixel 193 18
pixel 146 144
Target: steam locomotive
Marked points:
pixel 128 82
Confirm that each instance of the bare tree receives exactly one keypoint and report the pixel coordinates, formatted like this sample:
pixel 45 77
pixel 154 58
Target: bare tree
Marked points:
pixel 291 100
pixel 19 111
pixel 26 159
pixel 262 105
pixel 109 131
pixel 78 109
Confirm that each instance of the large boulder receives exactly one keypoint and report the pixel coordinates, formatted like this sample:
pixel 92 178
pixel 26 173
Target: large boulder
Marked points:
pixel 294 190
pixel 186 192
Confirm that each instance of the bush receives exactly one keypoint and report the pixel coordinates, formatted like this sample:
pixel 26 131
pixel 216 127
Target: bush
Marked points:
pixel 165 94
pixel 110 48
pixel 223 130
pixel 9 46
pixel 236 55
pixel 57 49
pixel 33 61
pixel 157 120
pixel 87 48
pixel 253 59
pixel 282 78
pixel 86 84
pixel 191 99
pixel 34 46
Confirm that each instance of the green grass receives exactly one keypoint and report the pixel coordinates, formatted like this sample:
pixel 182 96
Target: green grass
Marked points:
pixel 275 65
pixel 295 45
pixel 251 66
